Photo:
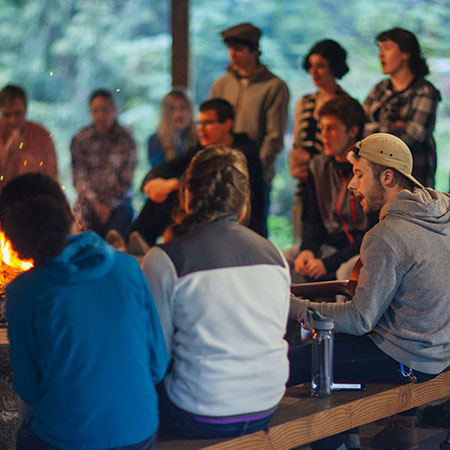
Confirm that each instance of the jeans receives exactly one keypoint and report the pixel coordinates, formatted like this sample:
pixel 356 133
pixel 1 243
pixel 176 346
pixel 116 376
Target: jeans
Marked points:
pixel 27 439
pixel 178 422
pixel 121 217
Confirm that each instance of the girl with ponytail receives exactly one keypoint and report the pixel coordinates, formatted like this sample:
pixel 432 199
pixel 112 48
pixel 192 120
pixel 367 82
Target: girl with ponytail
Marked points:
pixel 86 344
pixel 222 293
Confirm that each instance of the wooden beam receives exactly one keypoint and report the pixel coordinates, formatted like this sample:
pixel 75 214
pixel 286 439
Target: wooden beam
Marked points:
pixel 180 42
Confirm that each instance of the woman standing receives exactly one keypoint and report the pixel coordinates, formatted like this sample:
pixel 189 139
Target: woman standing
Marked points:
pixel 325 62
pixel 222 293
pixel 405 104
pixel 176 130
pixel 86 343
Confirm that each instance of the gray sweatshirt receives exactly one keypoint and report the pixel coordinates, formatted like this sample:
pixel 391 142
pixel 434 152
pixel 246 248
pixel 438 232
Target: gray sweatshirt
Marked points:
pixel 403 293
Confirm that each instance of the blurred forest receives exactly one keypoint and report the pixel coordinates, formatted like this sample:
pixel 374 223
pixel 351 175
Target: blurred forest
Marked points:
pixel 60 50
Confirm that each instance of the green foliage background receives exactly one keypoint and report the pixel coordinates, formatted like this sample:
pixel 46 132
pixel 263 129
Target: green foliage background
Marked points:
pixel 60 50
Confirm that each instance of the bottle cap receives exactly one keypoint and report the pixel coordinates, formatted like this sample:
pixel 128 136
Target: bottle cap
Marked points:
pixel 319 321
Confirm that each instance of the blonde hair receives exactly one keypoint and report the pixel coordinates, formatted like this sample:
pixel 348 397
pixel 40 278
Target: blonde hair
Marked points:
pixel 166 131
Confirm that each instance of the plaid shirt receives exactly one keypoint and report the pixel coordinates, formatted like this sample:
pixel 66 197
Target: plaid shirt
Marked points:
pixel 103 166
pixel 416 105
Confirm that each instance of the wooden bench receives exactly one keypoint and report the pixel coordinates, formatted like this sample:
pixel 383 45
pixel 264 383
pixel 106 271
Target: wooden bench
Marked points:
pixel 301 419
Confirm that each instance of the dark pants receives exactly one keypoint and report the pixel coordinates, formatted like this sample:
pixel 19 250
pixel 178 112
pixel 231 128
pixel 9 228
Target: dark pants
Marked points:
pixel 177 422
pixel 356 358
pixel 121 218
pixel 155 218
pixel 27 440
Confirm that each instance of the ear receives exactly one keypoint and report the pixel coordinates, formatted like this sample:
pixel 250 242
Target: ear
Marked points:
pixel 228 124
pixel 387 178
pixel 353 131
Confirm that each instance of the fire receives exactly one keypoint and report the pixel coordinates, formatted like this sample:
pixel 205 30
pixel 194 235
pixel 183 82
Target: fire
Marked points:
pixel 10 257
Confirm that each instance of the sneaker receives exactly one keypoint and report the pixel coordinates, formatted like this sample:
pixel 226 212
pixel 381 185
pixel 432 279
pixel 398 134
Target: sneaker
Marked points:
pixel 137 245
pixel 115 239
pixel 399 433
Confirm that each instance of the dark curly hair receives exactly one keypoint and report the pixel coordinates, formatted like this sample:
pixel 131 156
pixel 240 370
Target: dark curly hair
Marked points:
pixel 35 216
pixel 409 44
pixel 333 53
pixel 215 182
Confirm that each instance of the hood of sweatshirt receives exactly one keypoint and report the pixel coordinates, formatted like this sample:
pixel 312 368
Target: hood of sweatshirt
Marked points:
pixel 425 207
pixel 86 257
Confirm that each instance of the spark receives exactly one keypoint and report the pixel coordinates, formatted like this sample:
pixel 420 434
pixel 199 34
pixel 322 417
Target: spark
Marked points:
pixel 25 162
pixel 20 146
pixel 1 177
pixel 51 74
pixel 117 90
pixel 41 163
pixel 63 188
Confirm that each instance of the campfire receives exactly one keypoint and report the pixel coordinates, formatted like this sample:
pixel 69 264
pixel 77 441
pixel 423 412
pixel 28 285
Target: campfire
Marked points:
pixel 10 266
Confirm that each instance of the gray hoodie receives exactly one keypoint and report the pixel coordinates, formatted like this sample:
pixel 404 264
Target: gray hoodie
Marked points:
pixel 403 292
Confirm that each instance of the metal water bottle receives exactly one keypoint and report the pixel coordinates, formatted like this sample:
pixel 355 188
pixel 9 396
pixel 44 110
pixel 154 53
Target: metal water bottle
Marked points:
pixel 322 353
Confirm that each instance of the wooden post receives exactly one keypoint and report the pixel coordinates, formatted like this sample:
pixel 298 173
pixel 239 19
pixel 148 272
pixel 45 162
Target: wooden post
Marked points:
pixel 180 42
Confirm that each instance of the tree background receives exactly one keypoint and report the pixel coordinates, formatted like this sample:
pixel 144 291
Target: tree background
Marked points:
pixel 60 50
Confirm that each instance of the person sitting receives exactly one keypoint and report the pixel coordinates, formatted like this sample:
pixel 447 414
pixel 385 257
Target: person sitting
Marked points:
pixel 222 293
pixel 325 62
pixel 103 162
pixel 396 328
pixel 161 184
pixel 334 223
pixel 86 343
pixel 24 146
pixel 405 104
pixel 176 130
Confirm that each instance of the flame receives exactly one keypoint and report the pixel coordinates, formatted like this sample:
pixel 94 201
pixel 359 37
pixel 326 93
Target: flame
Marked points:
pixel 10 257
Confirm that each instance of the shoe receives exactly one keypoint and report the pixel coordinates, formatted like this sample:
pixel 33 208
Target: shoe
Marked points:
pixel 399 433
pixel 437 416
pixel 114 238
pixel 137 245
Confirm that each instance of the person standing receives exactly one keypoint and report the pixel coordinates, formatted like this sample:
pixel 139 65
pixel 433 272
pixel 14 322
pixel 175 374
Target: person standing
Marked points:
pixel 405 104
pixel 260 99
pixel 103 162
pixel 325 62
pixel 24 146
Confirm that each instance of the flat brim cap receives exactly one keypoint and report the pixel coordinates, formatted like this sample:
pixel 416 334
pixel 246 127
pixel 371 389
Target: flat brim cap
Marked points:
pixel 388 150
pixel 245 32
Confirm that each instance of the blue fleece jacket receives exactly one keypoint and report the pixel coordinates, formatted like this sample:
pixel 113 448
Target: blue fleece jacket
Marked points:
pixel 86 346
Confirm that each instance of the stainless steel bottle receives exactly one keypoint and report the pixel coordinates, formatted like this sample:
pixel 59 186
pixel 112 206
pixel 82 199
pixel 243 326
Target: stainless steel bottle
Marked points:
pixel 322 354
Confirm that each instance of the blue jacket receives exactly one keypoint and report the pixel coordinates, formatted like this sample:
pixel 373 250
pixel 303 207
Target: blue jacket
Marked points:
pixel 86 346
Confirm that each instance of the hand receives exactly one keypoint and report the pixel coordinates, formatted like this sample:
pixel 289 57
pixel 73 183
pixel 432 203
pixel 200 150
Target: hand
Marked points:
pixel 9 149
pixel 301 261
pixel 298 163
pixel 102 212
pixel 397 126
pixel 158 189
pixel 315 268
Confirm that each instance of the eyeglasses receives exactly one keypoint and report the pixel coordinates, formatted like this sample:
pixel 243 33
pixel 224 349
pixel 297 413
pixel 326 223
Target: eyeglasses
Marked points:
pixel 204 123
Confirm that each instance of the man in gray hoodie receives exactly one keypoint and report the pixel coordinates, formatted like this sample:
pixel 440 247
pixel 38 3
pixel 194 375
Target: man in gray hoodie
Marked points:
pixel 400 308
